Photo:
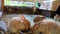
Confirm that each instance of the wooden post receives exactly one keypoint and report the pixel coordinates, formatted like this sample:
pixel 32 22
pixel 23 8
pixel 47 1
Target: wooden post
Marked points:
pixel 34 8
pixel 2 5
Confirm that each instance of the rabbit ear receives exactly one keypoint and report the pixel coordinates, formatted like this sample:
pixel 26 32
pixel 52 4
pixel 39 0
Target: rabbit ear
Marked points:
pixel 22 17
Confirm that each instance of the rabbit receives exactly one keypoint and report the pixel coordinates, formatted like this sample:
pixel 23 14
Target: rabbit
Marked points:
pixel 17 24
pixel 46 27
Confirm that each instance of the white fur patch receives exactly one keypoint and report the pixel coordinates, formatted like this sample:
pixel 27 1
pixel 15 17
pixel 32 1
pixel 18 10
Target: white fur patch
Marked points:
pixel 17 18
pixel 49 21
pixel 46 21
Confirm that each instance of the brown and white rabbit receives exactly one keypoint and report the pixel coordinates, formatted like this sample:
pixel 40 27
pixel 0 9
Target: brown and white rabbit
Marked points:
pixel 46 27
pixel 18 23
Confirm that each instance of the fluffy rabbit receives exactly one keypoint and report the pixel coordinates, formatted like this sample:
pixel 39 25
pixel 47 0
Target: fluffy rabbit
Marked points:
pixel 46 27
pixel 17 24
